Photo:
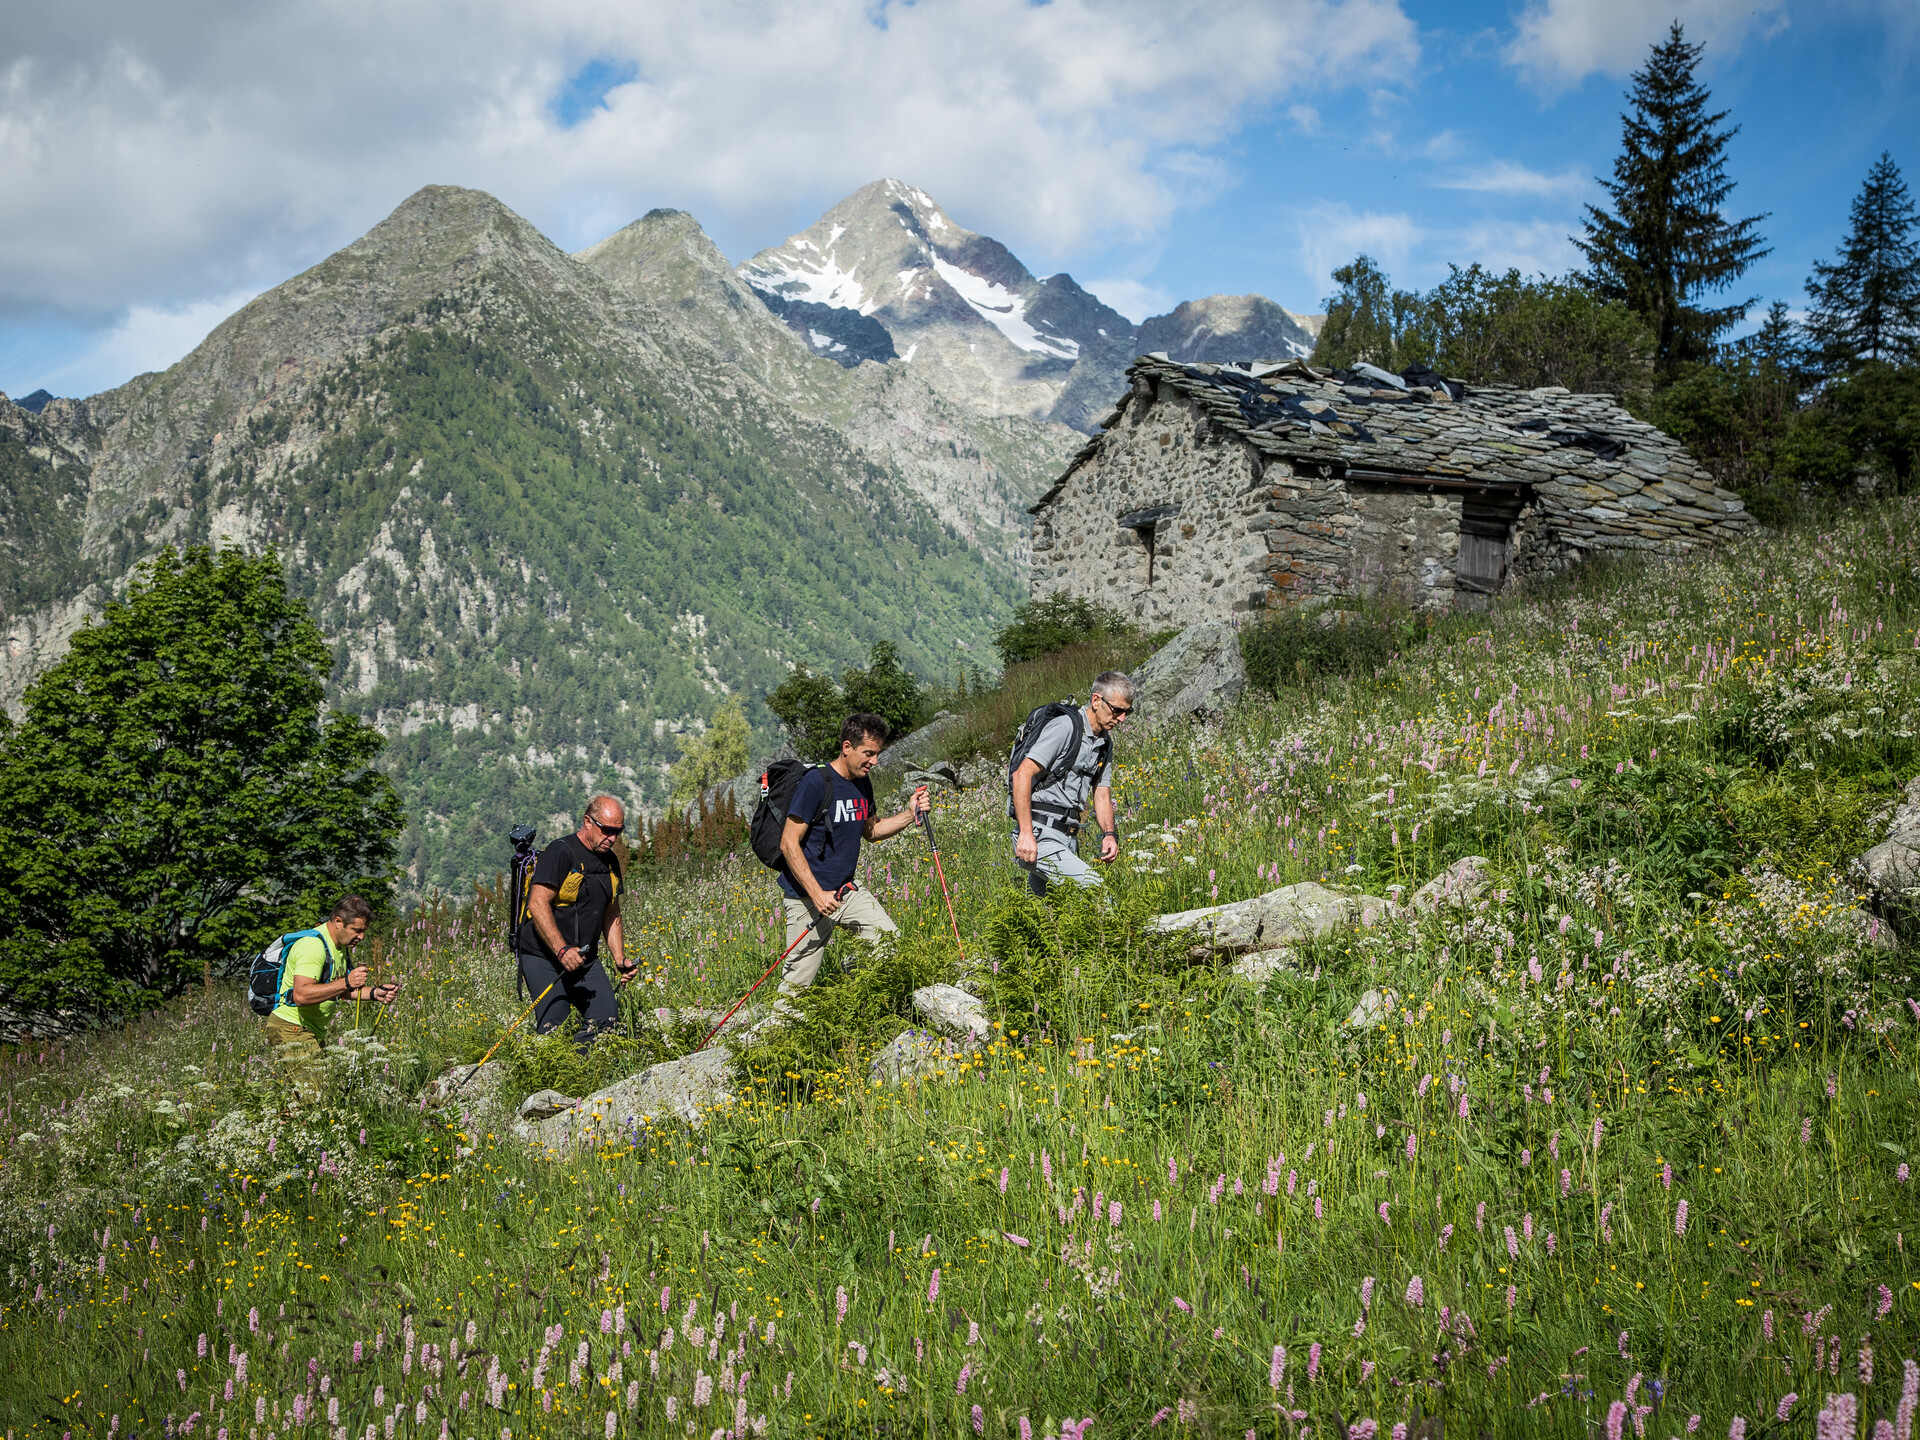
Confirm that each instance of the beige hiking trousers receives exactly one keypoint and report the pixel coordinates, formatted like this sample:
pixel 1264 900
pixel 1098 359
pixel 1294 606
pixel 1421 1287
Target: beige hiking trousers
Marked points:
pixel 864 917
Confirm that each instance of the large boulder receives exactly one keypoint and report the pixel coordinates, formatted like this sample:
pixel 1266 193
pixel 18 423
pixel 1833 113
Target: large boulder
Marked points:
pixel 1272 920
pixel 685 1089
pixel 1893 866
pixel 917 747
pixel 1198 672
pixel 952 1011
pixel 1461 883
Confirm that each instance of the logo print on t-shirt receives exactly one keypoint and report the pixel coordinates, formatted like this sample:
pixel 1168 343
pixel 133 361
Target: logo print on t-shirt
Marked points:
pixel 853 811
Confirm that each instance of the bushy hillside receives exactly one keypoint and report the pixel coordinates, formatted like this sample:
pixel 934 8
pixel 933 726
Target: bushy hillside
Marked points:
pixel 1620 1140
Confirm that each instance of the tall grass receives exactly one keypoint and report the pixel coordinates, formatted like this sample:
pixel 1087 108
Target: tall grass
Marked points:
pixel 990 719
pixel 1625 1145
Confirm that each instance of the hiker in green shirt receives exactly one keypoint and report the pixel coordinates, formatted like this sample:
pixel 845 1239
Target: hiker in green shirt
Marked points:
pixel 308 997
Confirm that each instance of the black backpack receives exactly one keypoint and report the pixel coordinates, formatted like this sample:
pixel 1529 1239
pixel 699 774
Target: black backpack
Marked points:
pixel 777 785
pixel 267 989
pixel 1029 732
pixel 520 882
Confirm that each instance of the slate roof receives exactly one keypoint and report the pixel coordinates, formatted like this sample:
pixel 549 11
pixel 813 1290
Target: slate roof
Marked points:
pixel 1583 454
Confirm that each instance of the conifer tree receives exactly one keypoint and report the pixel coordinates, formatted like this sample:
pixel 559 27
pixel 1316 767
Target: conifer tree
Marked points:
pixel 1666 244
pixel 1866 304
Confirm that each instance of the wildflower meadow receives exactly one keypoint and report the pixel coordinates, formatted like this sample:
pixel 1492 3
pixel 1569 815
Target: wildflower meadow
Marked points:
pixel 1620 1144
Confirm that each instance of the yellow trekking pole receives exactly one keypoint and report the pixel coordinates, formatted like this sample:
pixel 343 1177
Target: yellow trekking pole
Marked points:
pixel 509 1030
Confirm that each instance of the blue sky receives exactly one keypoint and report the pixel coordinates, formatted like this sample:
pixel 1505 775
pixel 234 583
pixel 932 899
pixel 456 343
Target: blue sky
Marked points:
pixel 165 164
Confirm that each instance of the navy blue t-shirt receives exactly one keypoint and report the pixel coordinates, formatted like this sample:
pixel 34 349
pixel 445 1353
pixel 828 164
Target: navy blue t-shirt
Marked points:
pixel 832 848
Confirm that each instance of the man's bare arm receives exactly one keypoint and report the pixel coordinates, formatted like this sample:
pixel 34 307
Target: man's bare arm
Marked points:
pixel 1026 846
pixel 792 835
pixel 540 907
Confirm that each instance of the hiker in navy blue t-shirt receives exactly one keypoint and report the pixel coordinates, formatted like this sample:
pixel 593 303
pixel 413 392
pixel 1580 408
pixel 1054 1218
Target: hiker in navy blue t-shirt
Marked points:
pixel 821 858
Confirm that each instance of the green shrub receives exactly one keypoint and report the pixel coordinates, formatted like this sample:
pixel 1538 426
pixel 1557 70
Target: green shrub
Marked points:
pixel 1296 646
pixel 1044 627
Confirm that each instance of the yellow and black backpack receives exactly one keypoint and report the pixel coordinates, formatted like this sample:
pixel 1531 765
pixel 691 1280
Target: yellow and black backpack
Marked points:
pixel 525 857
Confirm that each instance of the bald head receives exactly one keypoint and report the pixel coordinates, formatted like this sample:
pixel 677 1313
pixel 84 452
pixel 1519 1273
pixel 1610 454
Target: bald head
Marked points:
pixel 606 817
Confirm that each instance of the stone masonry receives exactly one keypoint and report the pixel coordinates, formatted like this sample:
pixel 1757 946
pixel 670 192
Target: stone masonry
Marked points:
pixel 1216 489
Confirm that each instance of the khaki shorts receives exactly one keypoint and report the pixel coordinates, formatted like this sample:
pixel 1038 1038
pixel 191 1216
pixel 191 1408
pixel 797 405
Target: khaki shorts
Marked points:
pixel 282 1034
pixel 862 916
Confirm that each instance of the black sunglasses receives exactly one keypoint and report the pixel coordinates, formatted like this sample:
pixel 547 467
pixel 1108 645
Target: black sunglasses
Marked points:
pixel 1120 712
pixel 605 829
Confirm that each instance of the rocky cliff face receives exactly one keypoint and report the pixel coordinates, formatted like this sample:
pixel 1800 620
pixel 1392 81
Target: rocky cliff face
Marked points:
pixel 1224 329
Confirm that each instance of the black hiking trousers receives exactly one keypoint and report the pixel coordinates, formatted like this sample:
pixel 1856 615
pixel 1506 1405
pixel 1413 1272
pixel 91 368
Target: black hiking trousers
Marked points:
pixel 588 990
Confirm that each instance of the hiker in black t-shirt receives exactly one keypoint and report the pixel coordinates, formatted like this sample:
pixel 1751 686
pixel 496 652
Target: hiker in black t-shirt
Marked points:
pixel 822 858
pixel 574 901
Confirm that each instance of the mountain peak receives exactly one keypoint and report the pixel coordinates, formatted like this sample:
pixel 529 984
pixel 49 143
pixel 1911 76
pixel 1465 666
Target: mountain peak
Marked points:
pixel 887 273
pixel 1222 328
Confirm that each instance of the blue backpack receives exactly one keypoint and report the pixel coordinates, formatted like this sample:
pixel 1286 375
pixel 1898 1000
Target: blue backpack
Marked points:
pixel 266 980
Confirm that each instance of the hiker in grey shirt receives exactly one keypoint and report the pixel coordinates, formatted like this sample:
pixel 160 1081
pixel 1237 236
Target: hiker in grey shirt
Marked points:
pixel 1047 818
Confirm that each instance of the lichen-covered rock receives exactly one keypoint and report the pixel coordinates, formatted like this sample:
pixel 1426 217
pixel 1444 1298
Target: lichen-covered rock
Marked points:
pixel 1374 1007
pixel 1290 913
pixel 685 1089
pixel 1198 672
pixel 1893 866
pixel 469 1086
pixel 917 1055
pixel 1461 883
pixel 545 1104
pixel 1263 965
pixel 951 1010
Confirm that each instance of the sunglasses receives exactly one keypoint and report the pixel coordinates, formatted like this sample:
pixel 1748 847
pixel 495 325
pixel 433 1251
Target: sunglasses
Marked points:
pixel 1120 712
pixel 605 829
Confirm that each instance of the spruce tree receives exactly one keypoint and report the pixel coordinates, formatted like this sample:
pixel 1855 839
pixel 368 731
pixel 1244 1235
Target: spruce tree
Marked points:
pixel 1866 305
pixel 1667 244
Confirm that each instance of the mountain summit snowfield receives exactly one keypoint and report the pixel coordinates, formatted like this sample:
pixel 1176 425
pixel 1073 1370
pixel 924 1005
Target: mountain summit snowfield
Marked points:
pixel 887 275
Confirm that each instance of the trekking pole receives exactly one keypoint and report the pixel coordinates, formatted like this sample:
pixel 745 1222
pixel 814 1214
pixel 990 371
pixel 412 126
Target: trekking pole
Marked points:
pixel 839 894
pixel 503 1037
pixel 926 821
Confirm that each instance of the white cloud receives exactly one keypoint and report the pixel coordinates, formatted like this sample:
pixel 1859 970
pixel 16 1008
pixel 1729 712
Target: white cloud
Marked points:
pixel 1132 298
pixel 150 154
pixel 146 338
pixel 1558 43
pixel 1416 255
pixel 1506 177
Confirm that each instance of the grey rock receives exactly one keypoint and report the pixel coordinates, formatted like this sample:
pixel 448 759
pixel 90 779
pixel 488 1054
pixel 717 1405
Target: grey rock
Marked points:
pixel 917 747
pixel 1893 866
pixel 950 1009
pixel 1263 965
pixel 1198 672
pixel 1292 912
pixel 916 1055
pixel 1374 1007
pixel 545 1104
pixel 470 1086
pixel 1460 883
pixel 684 1089
pixel 941 775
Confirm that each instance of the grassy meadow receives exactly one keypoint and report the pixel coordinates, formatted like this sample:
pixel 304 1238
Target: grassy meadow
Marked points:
pixel 1625 1149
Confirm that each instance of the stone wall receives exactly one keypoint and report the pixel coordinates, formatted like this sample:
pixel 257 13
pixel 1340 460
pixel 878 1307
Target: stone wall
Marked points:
pixel 1186 484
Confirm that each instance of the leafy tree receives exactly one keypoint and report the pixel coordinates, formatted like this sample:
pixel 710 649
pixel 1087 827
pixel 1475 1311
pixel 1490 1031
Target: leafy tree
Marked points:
pixel 720 754
pixel 1666 243
pixel 885 688
pixel 174 797
pixel 811 707
pixel 1365 320
pixel 1489 329
pixel 1866 304
pixel 1041 627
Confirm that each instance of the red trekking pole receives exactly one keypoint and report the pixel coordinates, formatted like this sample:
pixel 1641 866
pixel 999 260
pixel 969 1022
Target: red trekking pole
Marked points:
pixel 840 894
pixel 926 820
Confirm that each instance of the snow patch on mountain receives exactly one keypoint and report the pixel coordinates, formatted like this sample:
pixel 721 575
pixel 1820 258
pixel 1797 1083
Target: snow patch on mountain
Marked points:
pixel 822 284
pixel 1004 310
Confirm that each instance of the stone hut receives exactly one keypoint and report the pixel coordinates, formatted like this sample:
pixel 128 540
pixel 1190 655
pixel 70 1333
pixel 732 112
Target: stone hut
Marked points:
pixel 1217 489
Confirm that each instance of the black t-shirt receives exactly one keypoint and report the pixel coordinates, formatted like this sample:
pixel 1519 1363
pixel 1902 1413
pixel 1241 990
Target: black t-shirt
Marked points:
pixel 831 848
pixel 581 899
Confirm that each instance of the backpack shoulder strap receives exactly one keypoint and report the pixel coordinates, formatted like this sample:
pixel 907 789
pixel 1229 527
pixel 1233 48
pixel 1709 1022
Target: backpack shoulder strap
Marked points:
pixel 283 987
pixel 1064 764
pixel 826 796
